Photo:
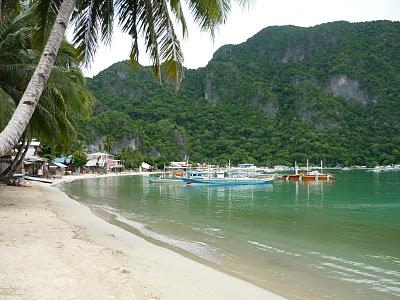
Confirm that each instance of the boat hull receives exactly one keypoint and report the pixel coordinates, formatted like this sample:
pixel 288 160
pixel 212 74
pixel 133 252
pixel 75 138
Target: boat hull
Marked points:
pixel 309 177
pixel 294 177
pixel 226 181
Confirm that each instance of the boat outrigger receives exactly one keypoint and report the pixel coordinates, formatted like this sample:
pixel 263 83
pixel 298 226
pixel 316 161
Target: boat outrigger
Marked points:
pixel 202 178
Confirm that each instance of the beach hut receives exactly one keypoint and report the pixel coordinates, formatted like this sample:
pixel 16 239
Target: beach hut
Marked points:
pixel 34 166
pixel 145 167
pixel 57 169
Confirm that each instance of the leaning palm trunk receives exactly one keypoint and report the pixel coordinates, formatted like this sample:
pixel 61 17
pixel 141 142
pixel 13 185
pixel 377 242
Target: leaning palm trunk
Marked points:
pixel 22 115
pixel 14 163
pixel 17 163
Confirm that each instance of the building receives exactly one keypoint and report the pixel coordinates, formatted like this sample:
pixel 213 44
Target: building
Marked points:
pixel 33 164
pixel 101 161
pixel 57 169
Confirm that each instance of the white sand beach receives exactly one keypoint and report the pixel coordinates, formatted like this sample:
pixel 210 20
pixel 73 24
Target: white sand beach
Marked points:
pixel 52 247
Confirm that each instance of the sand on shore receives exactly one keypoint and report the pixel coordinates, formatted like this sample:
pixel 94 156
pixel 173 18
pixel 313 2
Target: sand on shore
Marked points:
pixel 52 247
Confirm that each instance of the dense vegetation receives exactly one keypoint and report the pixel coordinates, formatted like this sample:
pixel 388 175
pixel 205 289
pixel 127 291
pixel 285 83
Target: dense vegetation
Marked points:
pixel 327 92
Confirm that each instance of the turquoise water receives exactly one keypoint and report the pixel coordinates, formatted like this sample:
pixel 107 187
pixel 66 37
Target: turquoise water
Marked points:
pixel 329 240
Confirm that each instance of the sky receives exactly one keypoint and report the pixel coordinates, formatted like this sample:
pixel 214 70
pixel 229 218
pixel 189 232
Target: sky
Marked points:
pixel 242 23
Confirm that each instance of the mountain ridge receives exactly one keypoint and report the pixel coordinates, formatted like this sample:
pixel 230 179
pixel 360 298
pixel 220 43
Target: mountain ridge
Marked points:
pixel 325 92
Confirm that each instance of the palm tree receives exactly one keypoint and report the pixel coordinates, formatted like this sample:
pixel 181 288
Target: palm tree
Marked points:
pixel 93 21
pixel 109 142
pixel 64 96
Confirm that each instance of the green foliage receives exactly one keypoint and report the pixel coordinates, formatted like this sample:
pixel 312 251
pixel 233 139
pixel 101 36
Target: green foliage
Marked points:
pixel 132 158
pixel 65 96
pixel 79 158
pixel 108 142
pixel 268 101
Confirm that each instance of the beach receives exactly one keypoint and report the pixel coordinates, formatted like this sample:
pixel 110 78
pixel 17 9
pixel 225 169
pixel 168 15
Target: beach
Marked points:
pixel 53 247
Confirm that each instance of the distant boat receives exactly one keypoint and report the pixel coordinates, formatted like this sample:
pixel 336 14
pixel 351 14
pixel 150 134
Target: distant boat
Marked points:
pixel 293 177
pixel 309 175
pixel 226 181
pixel 207 178
pixel 377 169
pixel 164 180
pixel 296 176
pixel 315 175
pixel 44 180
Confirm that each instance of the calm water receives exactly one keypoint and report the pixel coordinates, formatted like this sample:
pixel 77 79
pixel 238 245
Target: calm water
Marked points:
pixel 332 240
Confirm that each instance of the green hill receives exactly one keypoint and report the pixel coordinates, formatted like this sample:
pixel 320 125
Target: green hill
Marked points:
pixel 288 93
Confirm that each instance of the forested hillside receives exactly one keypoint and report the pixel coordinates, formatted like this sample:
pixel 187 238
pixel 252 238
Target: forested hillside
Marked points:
pixel 328 92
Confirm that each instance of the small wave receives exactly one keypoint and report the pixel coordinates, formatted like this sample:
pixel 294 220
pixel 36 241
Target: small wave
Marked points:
pixel 332 265
pixel 375 285
pixel 386 258
pixel 313 253
pixel 363 265
pixel 215 232
pixel 271 249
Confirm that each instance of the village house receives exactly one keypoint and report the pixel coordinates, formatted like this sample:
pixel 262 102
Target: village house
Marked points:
pixel 101 161
pixel 57 169
pixel 33 164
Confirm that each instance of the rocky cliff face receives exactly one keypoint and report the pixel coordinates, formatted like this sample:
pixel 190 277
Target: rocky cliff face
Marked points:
pixel 343 86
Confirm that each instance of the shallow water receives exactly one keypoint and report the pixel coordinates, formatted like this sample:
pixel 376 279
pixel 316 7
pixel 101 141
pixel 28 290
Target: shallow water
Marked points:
pixel 329 240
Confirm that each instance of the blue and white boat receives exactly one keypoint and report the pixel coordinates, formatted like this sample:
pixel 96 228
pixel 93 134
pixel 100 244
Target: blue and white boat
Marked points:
pixel 203 178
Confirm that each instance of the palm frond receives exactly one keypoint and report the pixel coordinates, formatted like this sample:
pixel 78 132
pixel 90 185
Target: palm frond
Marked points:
pixel 7 107
pixel 93 24
pixel 44 13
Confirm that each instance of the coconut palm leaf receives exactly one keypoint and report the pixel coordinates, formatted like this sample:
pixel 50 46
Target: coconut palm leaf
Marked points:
pixel 65 95
pixel 7 107
pixel 151 19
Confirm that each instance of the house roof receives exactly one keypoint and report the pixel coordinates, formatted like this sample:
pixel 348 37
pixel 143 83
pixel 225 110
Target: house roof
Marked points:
pixel 145 165
pixel 60 165
pixel 62 159
pixel 34 158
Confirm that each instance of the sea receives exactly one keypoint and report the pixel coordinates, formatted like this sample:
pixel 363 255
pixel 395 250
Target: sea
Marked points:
pixel 337 239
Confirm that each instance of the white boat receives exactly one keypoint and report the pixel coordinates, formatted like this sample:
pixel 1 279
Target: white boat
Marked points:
pixel 163 178
pixel 226 181
pixel 203 178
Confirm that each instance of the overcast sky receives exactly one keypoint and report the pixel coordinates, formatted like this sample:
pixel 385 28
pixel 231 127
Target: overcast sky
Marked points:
pixel 198 48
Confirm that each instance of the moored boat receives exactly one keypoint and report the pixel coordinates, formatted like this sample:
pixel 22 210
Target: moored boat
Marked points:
pixel 315 175
pixel 164 180
pixel 218 178
pixel 293 177
pixel 226 181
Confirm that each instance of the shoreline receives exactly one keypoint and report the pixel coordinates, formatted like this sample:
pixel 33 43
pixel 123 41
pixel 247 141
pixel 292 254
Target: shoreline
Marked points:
pixel 55 247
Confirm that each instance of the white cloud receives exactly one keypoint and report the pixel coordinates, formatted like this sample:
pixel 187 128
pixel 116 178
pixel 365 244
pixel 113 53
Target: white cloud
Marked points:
pixel 244 23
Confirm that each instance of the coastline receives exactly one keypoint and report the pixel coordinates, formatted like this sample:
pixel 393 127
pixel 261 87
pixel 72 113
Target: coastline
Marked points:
pixel 53 247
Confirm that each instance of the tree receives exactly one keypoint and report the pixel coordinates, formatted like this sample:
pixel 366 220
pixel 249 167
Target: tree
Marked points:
pixel 79 158
pixel 131 157
pixel 64 97
pixel 93 22
pixel 109 142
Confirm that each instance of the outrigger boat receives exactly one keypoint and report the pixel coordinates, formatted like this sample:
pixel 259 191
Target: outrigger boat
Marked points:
pixel 163 180
pixel 315 175
pixel 308 176
pixel 165 177
pixel 200 178
pixel 227 181
pixel 293 177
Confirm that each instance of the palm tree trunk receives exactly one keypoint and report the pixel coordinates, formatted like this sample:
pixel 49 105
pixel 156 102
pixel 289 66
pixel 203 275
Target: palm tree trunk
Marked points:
pixel 22 115
pixel 20 150
pixel 18 163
